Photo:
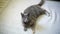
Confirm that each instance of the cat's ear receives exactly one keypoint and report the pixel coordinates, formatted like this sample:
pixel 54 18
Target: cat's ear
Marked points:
pixel 22 14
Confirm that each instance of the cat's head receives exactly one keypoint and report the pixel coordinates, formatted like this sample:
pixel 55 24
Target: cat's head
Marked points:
pixel 25 18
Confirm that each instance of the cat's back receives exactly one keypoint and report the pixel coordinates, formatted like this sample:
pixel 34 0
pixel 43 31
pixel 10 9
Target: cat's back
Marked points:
pixel 34 10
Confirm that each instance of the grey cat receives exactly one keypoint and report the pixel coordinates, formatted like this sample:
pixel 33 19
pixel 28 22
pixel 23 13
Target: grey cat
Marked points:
pixel 31 14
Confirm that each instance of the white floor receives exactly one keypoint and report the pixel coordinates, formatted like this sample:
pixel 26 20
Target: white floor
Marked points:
pixel 11 17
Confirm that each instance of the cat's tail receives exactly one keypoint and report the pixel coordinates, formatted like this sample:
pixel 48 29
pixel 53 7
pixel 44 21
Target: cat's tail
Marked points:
pixel 41 2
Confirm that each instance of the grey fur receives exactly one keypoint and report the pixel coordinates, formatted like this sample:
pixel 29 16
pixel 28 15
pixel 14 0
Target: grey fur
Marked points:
pixel 31 14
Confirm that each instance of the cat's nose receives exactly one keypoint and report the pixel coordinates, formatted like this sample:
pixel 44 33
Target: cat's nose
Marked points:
pixel 25 20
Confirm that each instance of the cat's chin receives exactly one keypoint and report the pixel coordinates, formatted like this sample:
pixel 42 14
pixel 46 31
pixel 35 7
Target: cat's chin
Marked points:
pixel 25 29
